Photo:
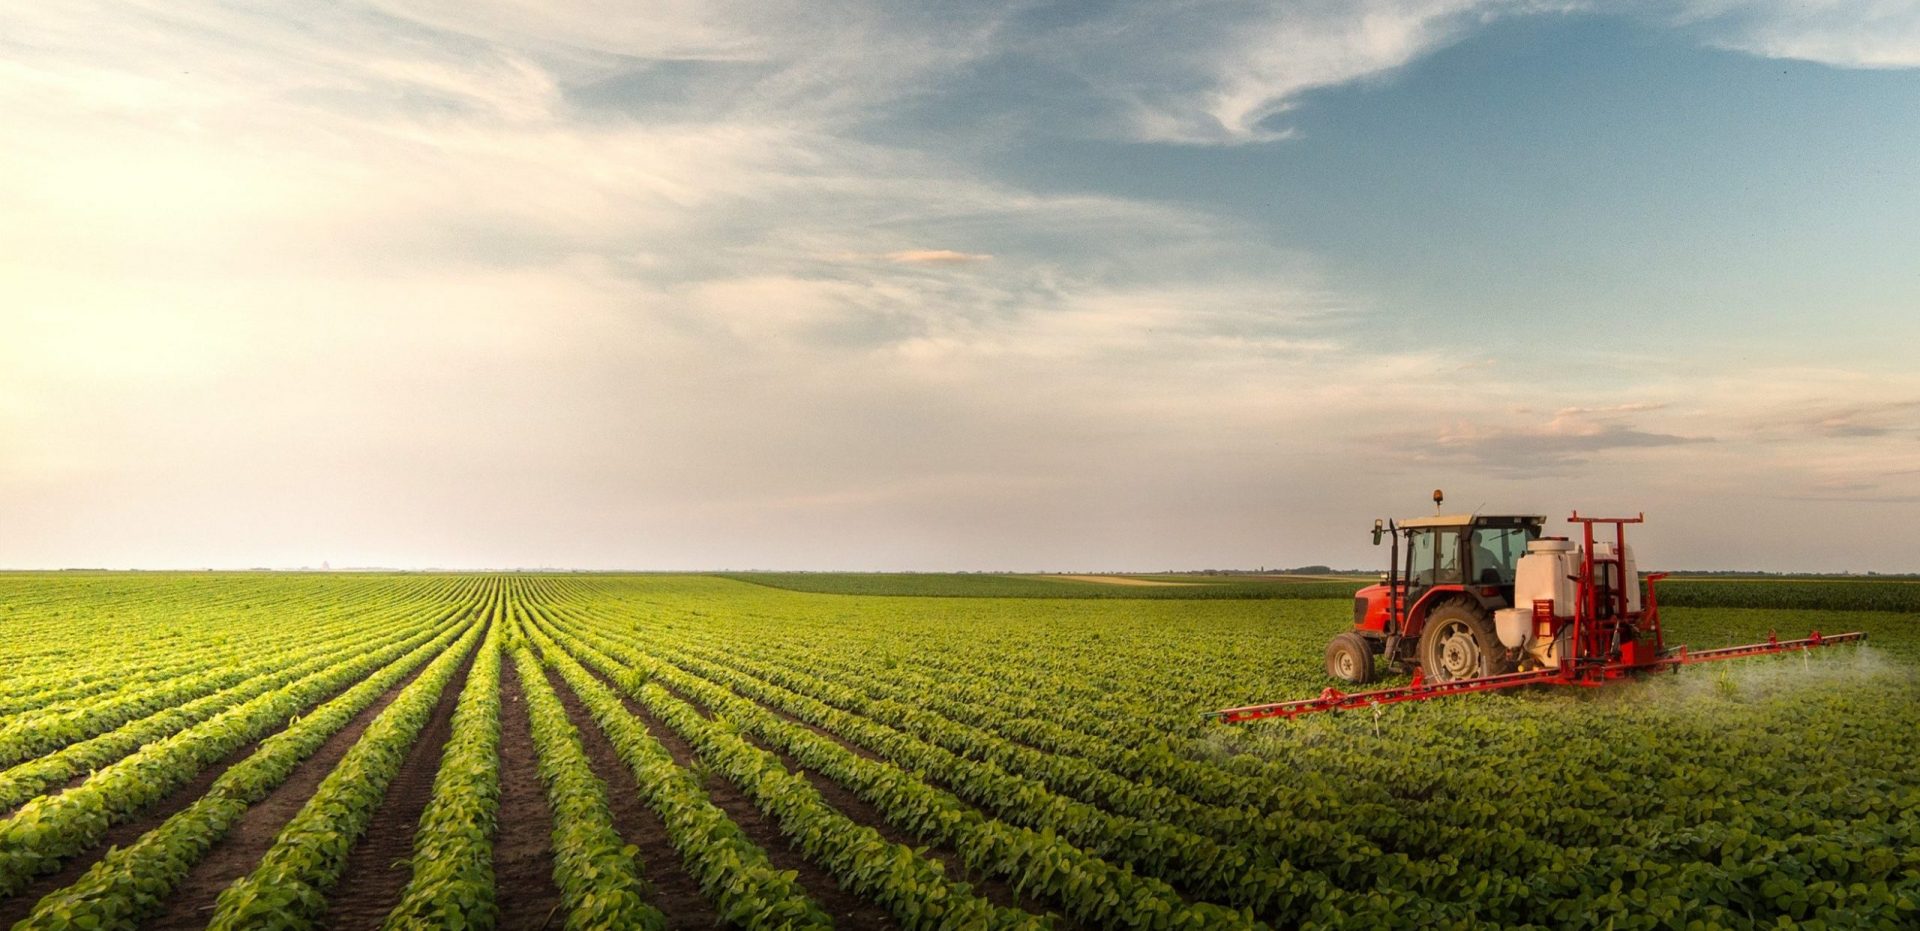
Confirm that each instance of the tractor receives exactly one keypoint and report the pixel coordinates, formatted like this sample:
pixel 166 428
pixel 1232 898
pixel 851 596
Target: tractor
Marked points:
pixel 1434 609
pixel 1483 602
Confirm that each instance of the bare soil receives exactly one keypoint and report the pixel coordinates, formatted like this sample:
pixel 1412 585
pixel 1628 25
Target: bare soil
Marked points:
pixel 120 835
pixel 377 868
pixel 849 803
pixel 848 910
pixel 523 843
pixel 236 854
pixel 129 831
pixel 675 891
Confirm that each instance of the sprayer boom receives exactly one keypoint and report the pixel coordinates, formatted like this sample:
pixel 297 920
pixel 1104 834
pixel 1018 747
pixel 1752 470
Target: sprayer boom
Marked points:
pixel 1575 672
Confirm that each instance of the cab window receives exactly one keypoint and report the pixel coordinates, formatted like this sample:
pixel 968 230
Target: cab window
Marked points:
pixel 1497 552
pixel 1447 542
pixel 1433 557
pixel 1420 558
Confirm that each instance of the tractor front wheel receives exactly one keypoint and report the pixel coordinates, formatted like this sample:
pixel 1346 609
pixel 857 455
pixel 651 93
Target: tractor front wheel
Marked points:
pixel 1350 657
pixel 1458 642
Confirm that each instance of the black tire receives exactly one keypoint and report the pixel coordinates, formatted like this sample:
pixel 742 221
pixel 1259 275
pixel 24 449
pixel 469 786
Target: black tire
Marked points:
pixel 1350 657
pixel 1458 642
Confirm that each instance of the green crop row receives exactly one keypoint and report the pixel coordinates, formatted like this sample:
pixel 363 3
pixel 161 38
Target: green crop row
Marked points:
pixel 733 872
pixel 1235 872
pixel 1819 594
pixel 1047 745
pixel 247 671
pixel 595 871
pixel 912 888
pixel 451 881
pixel 1025 807
pixel 166 632
pixel 131 883
pixel 1085 887
pixel 60 722
pixel 288 888
pixel 1262 805
pixel 853 713
pixel 1333 845
pixel 31 778
pixel 1455 833
pixel 48 829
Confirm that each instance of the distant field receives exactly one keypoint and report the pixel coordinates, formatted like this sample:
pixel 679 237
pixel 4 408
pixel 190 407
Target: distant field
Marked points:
pixel 984 585
pixel 1829 594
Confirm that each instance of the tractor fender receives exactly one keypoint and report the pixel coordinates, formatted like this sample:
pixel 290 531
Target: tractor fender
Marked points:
pixel 1432 598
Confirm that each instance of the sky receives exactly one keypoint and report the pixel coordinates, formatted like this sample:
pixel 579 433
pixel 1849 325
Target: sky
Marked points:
pixel 1027 286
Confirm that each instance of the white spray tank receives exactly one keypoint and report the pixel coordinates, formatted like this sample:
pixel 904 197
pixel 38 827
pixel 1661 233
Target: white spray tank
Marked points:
pixel 1545 573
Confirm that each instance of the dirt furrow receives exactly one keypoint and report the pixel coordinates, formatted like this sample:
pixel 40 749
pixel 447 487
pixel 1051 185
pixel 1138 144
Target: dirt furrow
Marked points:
pixel 849 803
pixel 125 833
pixel 377 870
pixel 675 891
pixel 848 910
pixel 120 835
pixel 523 845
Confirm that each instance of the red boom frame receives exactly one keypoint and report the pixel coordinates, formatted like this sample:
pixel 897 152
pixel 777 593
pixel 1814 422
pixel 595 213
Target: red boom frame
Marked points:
pixel 1606 641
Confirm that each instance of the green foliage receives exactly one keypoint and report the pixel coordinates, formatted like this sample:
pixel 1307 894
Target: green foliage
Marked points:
pixel 1653 803
pixel 1048 738
pixel 451 885
pixel 50 828
pixel 288 888
pixel 266 670
pixel 1793 594
pixel 131 883
pixel 913 889
pixel 598 879
pixel 1805 594
pixel 735 873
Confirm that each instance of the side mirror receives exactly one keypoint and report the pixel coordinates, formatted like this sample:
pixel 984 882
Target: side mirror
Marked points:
pixel 1378 529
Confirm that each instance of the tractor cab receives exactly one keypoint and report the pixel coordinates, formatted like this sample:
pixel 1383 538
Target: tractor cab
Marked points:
pixel 1474 552
pixel 1434 608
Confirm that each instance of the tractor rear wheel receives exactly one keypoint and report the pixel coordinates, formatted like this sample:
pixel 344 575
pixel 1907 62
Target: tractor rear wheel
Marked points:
pixel 1350 657
pixel 1458 642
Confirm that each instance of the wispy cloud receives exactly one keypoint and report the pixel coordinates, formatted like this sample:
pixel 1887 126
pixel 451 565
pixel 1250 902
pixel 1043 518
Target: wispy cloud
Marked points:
pixel 936 257
pixel 1852 34
pixel 1865 420
pixel 1572 438
pixel 1217 73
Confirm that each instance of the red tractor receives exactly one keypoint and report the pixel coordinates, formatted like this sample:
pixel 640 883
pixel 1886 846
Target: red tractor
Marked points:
pixel 1435 608
pixel 1476 602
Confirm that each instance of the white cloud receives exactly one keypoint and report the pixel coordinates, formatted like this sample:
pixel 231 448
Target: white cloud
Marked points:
pixel 1221 72
pixel 1225 73
pixel 1843 33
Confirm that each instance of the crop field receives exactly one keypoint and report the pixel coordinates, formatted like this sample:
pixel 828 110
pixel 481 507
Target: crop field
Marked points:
pixel 254 750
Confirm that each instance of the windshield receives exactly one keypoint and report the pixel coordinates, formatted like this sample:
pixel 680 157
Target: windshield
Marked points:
pixel 1496 552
